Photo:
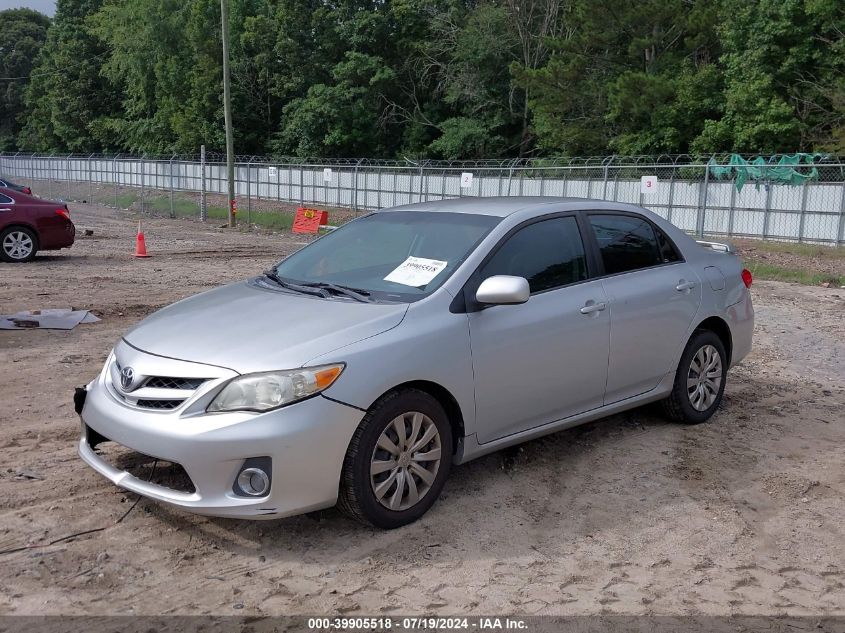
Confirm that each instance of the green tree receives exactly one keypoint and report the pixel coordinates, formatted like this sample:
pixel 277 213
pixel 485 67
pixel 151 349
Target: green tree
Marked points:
pixel 470 55
pixel 339 103
pixel 632 77
pixel 166 73
pixel 24 33
pixel 67 94
pixel 429 78
pixel 783 67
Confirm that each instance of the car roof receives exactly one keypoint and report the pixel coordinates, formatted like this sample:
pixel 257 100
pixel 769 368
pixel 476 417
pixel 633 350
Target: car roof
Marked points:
pixel 503 206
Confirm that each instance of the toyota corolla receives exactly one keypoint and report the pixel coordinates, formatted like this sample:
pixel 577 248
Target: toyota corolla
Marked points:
pixel 369 362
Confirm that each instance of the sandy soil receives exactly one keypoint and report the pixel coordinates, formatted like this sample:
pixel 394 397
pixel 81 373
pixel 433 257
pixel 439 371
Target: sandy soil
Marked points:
pixel 743 515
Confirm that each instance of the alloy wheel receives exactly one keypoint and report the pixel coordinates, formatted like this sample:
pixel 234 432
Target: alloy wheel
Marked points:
pixel 18 245
pixel 704 378
pixel 405 461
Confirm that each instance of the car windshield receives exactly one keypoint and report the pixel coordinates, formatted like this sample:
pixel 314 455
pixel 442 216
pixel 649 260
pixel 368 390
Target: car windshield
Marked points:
pixel 392 256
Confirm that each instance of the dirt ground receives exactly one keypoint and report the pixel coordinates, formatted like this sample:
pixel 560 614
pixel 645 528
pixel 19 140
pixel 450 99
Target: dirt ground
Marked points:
pixel 629 515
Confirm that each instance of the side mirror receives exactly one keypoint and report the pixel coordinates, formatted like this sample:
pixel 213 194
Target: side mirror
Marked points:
pixel 503 290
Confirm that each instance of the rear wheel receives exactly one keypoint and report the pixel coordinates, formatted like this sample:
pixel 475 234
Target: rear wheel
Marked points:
pixel 699 380
pixel 18 244
pixel 398 460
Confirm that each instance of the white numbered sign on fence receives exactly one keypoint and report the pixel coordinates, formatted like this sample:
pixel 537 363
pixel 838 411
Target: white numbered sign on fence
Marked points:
pixel 466 180
pixel 274 172
pixel 327 175
pixel 648 184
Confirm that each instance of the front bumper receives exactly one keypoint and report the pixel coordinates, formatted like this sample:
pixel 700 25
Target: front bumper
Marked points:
pixel 306 442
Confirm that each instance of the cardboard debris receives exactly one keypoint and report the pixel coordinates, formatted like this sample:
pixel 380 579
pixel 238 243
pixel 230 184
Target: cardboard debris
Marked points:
pixel 52 319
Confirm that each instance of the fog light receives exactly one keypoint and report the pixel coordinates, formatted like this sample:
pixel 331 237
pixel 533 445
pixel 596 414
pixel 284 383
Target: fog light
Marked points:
pixel 253 482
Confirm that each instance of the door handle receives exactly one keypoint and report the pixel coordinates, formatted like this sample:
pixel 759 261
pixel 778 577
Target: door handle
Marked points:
pixel 5 209
pixel 593 307
pixel 685 285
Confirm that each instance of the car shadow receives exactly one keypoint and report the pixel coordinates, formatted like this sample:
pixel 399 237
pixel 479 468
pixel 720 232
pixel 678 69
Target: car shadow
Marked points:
pixel 613 476
pixel 537 486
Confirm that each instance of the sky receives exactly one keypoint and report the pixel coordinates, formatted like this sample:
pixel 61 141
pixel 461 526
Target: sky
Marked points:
pixel 45 6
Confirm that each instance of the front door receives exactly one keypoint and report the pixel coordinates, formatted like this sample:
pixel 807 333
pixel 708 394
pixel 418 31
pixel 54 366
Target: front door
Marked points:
pixel 546 359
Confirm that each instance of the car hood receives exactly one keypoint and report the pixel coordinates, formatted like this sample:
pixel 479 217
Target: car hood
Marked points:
pixel 247 328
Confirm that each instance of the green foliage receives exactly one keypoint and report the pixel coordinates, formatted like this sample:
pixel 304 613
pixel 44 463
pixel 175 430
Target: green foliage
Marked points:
pixel 633 77
pixel 429 78
pixel 782 66
pixel 24 33
pixel 67 94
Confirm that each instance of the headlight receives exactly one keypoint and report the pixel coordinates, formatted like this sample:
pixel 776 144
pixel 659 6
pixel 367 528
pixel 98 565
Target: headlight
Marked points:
pixel 274 389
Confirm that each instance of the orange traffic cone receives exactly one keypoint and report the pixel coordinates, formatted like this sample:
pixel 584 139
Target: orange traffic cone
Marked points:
pixel 140 244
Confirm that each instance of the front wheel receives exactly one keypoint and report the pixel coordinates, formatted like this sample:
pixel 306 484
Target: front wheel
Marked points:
pixel 699 381
pixel 398 460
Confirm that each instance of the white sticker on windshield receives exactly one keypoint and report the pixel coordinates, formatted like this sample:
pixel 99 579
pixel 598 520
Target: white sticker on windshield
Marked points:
pixel 416 271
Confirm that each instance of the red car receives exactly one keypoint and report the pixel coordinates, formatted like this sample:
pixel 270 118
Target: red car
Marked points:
pixel 29 224
pixel 8 184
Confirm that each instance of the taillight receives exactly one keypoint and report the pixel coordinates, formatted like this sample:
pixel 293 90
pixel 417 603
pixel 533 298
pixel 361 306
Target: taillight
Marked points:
pixel 27 191
pixel 64 213
pixel 747 279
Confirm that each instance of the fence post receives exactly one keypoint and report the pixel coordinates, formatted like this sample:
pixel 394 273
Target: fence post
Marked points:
pixel 421 180
pixel 141 169
pixel 604 185
pixel 170 179
pixel 355 186
pixel 766 213
pixel 203 208
pixel 802 220
pixel 840 234
pixel 671 194
pixel 67 175
pixel 114 176
pixel 732 211
pixel 249 193
pixel 90 181
pixel 702 209
pixel 50 172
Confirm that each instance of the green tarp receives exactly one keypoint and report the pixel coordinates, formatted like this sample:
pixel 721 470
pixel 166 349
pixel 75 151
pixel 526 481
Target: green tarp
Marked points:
pixel 784 171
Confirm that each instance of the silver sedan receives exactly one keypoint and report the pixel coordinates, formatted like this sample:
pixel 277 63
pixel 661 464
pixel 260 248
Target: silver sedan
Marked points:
pixel 369 362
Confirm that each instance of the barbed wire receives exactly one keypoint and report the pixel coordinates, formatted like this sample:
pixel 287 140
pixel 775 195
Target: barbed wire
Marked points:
pixel 599 162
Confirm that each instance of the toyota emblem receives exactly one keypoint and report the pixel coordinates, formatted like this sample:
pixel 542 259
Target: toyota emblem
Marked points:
pixel 127 377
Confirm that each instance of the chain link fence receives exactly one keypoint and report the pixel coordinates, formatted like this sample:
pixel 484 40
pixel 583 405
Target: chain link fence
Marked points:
pixel 684 189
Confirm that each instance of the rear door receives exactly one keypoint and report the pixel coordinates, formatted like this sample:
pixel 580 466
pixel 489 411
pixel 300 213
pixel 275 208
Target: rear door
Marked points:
pixel 653 296
pixel 546 359
pixel 8 211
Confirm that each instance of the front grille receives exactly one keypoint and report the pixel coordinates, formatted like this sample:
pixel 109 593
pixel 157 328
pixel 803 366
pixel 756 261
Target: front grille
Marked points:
pixel 161 405
pixel 157 393
pixel 169 382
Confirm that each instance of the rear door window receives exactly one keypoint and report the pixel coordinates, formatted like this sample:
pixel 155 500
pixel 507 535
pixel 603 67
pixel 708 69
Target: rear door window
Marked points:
pixel 625 242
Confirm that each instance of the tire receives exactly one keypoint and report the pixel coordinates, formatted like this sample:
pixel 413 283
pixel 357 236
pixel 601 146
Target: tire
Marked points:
pixel 416 412
pixel 696 401
pixel 18 244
